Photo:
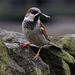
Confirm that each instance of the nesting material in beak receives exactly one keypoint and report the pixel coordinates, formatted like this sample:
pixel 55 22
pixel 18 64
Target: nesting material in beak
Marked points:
pixel 44 15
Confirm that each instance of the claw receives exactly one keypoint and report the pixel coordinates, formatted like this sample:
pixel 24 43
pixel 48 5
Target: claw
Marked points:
pixel 35 57
pixel 25 45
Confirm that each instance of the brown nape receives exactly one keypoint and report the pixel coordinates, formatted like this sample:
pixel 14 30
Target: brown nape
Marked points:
pixel 28 12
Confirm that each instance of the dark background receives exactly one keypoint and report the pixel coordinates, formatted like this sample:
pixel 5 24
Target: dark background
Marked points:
pixel 62 14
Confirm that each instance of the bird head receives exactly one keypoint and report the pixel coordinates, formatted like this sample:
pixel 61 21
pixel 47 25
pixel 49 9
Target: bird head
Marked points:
pixel 34 13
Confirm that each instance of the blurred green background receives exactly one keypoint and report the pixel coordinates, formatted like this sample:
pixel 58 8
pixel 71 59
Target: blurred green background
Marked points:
pixel 62 14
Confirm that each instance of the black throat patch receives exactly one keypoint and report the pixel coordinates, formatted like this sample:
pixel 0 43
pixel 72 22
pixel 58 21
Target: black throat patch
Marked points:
pixel 30 24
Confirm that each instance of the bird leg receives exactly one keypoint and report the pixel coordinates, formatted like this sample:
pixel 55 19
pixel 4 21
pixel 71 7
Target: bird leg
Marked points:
pixel 25 45
pixel 36 56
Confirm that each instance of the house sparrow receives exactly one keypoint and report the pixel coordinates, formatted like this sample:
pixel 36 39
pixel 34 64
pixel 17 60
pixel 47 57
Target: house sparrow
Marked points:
pixel 34 30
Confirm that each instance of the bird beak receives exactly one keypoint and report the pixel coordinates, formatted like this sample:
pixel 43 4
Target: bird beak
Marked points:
pixel 37 14
pixel 44 14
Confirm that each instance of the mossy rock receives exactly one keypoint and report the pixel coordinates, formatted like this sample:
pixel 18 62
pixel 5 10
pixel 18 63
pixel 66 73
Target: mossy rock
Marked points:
pixel 6 67
pixel 55 59
pixel 13 64
pixel 66 42
pixel 4 60
pixel 67 57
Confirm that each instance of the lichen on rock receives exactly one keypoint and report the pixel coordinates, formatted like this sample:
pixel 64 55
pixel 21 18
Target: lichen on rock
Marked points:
pixel 67 44
pixel 56 59
pixel 4 60
pixel 19 59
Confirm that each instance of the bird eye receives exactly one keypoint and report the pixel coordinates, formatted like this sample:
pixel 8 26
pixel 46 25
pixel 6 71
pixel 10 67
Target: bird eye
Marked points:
pixel 33 12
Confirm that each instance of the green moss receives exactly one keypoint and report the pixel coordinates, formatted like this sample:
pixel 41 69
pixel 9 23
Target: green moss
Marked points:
pixel 56 40
pixel 68 44
pixel 5 65
pixel 10 40
pixel 26 65
pixel 66 40
pixel 4 61
pixel 68 58
pixel 66 68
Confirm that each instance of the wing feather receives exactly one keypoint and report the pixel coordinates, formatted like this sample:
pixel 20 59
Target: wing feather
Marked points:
pixel 43 30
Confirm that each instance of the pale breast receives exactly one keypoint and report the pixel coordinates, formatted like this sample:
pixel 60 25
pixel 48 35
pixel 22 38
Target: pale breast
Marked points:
pixel 34 36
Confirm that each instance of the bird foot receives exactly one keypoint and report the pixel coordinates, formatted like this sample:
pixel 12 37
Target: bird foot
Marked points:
pixel 35 57
pixel 25 45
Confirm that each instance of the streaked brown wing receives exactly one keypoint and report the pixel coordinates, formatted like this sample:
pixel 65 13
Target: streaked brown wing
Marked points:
pixel 43 30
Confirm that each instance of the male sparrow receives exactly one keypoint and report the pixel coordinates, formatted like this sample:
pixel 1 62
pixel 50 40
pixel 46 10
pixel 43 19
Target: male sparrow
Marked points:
pixel 34 30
